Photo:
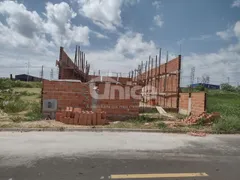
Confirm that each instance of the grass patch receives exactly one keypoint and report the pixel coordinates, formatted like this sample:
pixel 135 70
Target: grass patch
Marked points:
pixel 17 119
pixel 29 90
pixel 230 124
pixel 14 106
pixel 35 112
pixel 228 104
pixel 8 83
pixel 143 119
pixel 161 125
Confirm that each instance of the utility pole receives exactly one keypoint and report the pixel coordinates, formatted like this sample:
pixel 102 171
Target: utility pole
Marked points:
pixel 192 78
pixel 41 74
pixel 192 75
pixel 28 65
pixel 51 74
pixel 198 79
pixel 228 80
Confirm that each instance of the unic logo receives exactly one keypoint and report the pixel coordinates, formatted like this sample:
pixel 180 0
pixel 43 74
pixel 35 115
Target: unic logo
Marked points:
pixel 106 88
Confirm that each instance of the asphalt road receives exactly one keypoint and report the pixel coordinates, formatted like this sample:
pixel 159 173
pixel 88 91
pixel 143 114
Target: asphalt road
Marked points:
pixel 105 155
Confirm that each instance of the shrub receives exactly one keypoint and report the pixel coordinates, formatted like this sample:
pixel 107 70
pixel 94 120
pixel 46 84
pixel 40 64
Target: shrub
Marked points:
pixel 200 88
pixel 14 106
pixel 8 83
pixel 230 124
pixel 35 112
pixel 162 125
pixel 228 87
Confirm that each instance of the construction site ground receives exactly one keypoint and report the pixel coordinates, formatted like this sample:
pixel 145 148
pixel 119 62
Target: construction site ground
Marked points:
pixel 30 117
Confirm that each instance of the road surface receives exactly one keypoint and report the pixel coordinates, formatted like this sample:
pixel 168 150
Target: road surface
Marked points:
pixel 112 155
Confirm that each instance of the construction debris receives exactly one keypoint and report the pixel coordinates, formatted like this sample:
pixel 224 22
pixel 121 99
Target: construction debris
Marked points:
pixel 78 117
pixel 204 118
pixel 200 134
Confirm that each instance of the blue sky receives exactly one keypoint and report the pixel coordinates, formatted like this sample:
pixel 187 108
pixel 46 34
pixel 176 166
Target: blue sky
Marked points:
pixel 118 34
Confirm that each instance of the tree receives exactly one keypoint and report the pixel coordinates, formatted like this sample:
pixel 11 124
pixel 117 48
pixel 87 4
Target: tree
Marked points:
pixel 228 87
pixel 205 79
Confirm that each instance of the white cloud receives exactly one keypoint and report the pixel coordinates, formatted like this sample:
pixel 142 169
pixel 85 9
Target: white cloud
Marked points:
pixel 20 20
pixel 197 38
pixel 220 65
pixel 99 35
pixel 133 43
pixel 200 38
pixel 130 50
pixel 158 20
pixel 104 13
pixel 59 25
pixel 130 2
pixel 25 35
pixel 237 29
pixel 227 34
pixel 157 4
pixel 236 3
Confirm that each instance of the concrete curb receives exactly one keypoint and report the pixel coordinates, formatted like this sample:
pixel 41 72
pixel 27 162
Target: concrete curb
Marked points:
pixel 104 130
pixel 83 130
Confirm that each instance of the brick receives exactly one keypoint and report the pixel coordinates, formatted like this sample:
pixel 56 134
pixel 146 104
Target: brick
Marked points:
pixel 70 120
pixel 66 120
pixel 58 115
pixel 80 118
pixel 76 118
pixel 99 119
pixel 84 118
pixel 94 118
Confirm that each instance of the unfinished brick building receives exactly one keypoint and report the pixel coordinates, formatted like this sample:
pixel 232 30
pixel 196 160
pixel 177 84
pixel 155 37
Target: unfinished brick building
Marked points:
pixel 157 85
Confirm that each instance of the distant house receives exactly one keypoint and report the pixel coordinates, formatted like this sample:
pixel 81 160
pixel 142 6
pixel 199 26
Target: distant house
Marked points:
pixel 25 77
pixel 209 86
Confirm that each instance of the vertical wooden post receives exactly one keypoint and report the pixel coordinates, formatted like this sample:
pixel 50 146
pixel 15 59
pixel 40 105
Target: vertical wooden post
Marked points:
pixel 75 59
pixel 178 81
pixel 165 82
pixel 159 76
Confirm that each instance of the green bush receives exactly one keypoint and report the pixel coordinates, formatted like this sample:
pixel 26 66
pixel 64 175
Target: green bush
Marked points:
pixel 35 112
pixel 200 88
pixel 8 83
pixel 228 124
pixel 162 125
pixel 14 106
pixel 228 87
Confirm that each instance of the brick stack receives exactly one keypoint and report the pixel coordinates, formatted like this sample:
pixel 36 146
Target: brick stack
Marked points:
pixel 77 116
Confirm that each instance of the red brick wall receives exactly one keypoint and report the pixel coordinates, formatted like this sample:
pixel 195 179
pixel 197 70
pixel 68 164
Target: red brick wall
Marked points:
pixel 120 105
pixel 67 68
pixel 122 80
pixel 198 103
pixel 73 94
pixel 171 81
pixel 183 103
pixel 76 94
